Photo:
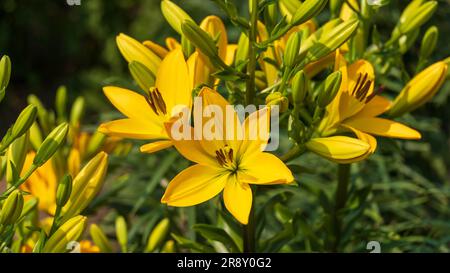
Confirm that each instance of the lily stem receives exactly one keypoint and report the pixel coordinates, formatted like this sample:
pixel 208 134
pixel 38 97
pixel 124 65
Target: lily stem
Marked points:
pixel 249 231
pixel 251 68
pixel 340 201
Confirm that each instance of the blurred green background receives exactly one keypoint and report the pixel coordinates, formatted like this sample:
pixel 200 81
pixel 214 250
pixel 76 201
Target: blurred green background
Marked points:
pixel 51 44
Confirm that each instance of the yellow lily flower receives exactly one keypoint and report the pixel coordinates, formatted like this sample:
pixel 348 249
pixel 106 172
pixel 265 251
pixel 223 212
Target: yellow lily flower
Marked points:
pixel 357 106
pixel 230 166
pixel 146 115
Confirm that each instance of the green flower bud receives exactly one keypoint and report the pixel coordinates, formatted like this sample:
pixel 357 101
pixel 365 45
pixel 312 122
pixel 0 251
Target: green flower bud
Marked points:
pixel 77 112
pixel 292 50
pixel 100 239
pixel 429 42
pixel 122 233
pixel 201 40
pixel 158 235
pixel 308 10
pixel 95 144
pixel 12 208
pixel 289 7
pixel 186 47
pixel 169 247
pixel 64 190
pixel 17 152
pixel 277 98
pixel 418 16
pixel 330 41
pixel 35 136
pixel 51 144
pixel 174 15
pixel 70 231
pixel 24 121
pixel 142 75
pixel 242 49
pixel 5 72
pixel 335 7
pixel 299 87
pixel 61 103
pixel 332 85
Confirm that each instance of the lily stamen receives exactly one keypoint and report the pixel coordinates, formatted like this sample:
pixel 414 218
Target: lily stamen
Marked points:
pixel 362 88
pixel 156 101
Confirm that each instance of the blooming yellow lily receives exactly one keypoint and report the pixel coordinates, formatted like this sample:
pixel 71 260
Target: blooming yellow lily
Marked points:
pixel 146 115
pixel 357 106
pixel 230 166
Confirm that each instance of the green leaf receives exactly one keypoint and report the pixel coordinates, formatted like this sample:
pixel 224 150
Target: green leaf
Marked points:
pixel 216 234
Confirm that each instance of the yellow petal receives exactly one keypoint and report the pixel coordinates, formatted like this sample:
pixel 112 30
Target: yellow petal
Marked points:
pixel 231 51
pixel 173 80
pixel 270 70
pixel 214 26
pixel 266 169
pixel 132 128
pixel 194 185
pixel 157 49
pixel 384 127
pixel 130 103
pixel 377 106
pixel 363 137
pixel 238 197
pixel 172 44
pixel 256 128
pixel 338 148
pixel 156 146
pixel 360 67
pixel 198 70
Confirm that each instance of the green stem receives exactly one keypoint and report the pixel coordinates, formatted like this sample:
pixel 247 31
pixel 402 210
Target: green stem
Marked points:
pixel 340 201
pixel 20 182
pixel 251 68
pixel 294 152
pixel 249 231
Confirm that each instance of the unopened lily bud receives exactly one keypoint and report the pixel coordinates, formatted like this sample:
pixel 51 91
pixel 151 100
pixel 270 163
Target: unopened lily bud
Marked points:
pixel 122 233
pixel 289 7
pixel 12 208
pixel 429 42
pixel 64 190
pixel 174 15
pixel 24 121
pixel 330 41
pixel 100 239
pixel 29 206
pixel 86 185
pixel 335 7
pixel 332 85
pixel 5 72
pixel 77 112
pixel 200 39
pixel 420 89
pixel 308 10
pixel 292 50
pixel 133 50
pixel 242 49
pixel 169 247
pixel 158 235
pixel 186 47
pixel 142 75
pixel 35 136
pixel 339 149
pixel 277 98
pixel 299 88
pixel 417 16
pixel 61 103
pixel 17 152
pixel 70 231
pixel 95 144
pixel 51 144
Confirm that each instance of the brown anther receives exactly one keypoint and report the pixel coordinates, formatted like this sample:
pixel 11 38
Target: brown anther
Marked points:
pixel 224 156
pixel 156 102
pixel 362 87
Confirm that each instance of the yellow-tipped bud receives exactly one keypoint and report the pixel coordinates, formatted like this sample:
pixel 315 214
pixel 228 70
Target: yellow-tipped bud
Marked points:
pixel 158 235
pixel 292 50
pixel 174 15
pixel 100 239
pixel 420 89
pixel 132 50
pixel 77 112
pixel 51 144
pixel 330 41
pixel 331 87
pixel 69 232
pixel 308 10
pixel 5 75
pixel 242 49
pixel 17 152
pixel 122 233
pixel 277 98
pixel 142 75
pixel 429 42
pixel 201 40
pixel 35 136
pixel 169 247
pixel 416 16
pixel 299 88
pixel 24 121
pixel 289 7
pixel 11 209
pixel 86 185
pixel 64 190
pixel 339 149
